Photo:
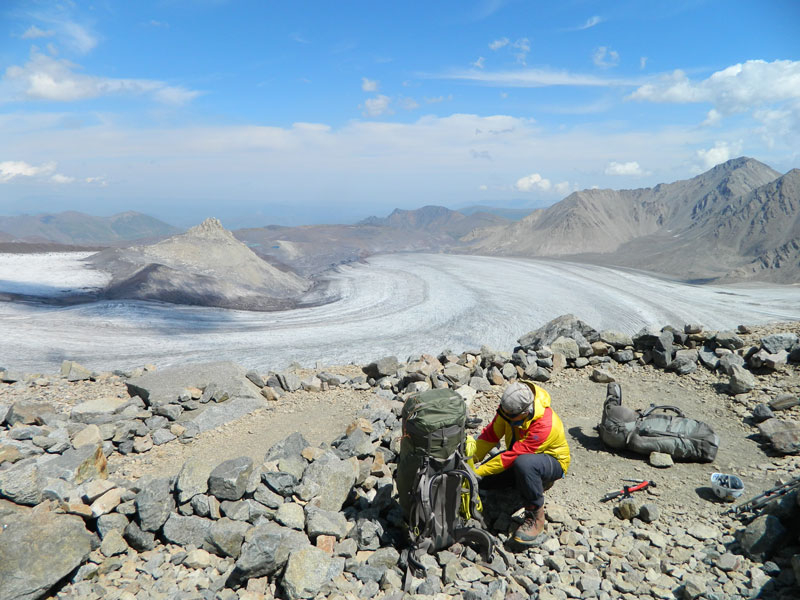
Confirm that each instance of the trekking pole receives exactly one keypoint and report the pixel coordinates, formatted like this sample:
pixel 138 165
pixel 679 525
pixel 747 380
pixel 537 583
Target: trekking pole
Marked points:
pixel 627 490
pixel 760 501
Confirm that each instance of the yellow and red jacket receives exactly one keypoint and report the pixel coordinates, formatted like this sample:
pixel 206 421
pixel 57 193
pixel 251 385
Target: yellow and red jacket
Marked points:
pixel 543 433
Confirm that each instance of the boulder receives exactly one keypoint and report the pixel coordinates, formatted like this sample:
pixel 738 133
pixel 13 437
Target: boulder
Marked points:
pixel 74 371
pixel 154 503
pixel 327 482
pixel 783 436
pixel 228 480
pixel 266 550
pixel 762 537
pixel 97 411
pixel 289 381
pixel 22 483
pixel 226 536
pixel 616 339
pixel 77 465
pixel 741 381
pixel 292 445
pixel 729 340
pixel 166 386
pixel 566 346
pixel 306 572
pixel 563 326
pixel 37 550
pixel 385 367
pixel 192 479
pixel 778 342
pixel 185 531
pixel 28 413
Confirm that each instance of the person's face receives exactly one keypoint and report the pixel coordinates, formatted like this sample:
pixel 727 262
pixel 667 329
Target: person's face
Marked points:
pixel 514 420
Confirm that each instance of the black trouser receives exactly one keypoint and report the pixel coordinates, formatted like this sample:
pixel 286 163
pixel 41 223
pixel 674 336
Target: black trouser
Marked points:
pixel 530 474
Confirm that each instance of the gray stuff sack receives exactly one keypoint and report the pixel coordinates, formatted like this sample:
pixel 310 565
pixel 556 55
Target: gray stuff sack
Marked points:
pixel 658 429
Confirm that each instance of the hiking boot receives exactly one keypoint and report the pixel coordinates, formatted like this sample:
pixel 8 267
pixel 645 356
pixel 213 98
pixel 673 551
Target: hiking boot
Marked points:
pixel 527 533
pixel 614 393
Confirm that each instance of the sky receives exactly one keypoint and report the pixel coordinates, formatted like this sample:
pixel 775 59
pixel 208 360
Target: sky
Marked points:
pixel 303 112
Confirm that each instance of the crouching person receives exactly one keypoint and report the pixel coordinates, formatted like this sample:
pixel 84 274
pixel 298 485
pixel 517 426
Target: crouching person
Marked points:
pixel 536 455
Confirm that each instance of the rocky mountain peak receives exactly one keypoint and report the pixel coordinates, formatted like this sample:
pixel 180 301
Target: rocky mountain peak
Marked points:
pixel 211 228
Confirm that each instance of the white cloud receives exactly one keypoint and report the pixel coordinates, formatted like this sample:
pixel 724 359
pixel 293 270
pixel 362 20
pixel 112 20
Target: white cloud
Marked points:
pixel 531 182
pixel 563 188
pixel 33 32
pixel 46 78
pixel 369 85
pixel 78 37
pixel 479 64
pixel 483 187
pixel 497 44
pixel 154 23
pixel 438 99
pixel 721 152
pixel 530 78
pixel 11 169
pixel 642 62
pixel 712 118
pixel 605 58
pixel 590 22
pixel 377 106
pixel 408 103
pixel 59 178
pixel 627 168
pixel 737 88
pixel 524 46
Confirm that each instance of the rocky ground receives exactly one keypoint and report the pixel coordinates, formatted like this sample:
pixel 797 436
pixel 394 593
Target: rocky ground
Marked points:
pixel 683 544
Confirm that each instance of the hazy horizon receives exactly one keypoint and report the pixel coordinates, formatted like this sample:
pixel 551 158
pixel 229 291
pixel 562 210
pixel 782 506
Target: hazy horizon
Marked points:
pixel 289 113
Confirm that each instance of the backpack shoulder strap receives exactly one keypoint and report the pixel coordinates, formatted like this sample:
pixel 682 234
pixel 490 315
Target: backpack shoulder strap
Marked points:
pixel 665 408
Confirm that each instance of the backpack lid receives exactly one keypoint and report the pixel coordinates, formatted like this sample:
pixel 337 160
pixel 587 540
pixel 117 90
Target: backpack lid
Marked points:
pixel 431 410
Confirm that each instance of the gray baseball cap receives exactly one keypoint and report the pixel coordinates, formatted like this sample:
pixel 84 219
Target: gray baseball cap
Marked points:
pixel 517 399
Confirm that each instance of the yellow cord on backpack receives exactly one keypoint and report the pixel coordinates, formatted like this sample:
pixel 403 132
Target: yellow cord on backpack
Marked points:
pixel 469 450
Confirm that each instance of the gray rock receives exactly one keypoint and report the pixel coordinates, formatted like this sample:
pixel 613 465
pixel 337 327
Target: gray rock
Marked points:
pixel 192 479
pixel 661 460
pixel 325 522
pixel 165 386
pixel 25 412
pixel 762 537
pixel 37 550
pixel 385 558
pixel 256 378
pixel 294 465
pixel 154 503
pixel 385 367
pixel 728 361
pixel 97 411
pixel 784 436
pixel 729 340
pixel 291 515
pixel 292 445
pixel 237 511
pixel 77 465
pixel 601 376
pixel 228 480
pixel 616 339
pixel 23 483
pixel 267 497
pixel 685 362
pixel 566 346
pixel 289 381
pixel 709 360
pixel 566 326
pixel 741 381
pixel 111 522
pixel 457 374
pixel 761 413
pixel 139 540
pixel 649 512
pixel 74 371
pixel 777 342
pixel 622 356
pixel 306 572
pixel 266 550
pixel 113 543
pixel 356 443
pixel 226 537
pixel 327 482
pixel 185 531
pixel 367 534
pixel 162 436
pixel 170 411
pixel 281 483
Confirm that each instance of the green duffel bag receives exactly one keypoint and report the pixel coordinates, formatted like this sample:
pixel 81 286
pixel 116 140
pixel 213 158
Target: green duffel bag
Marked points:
pixel 655 430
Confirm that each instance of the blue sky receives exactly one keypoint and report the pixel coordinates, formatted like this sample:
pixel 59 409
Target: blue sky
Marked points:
pixel 263 112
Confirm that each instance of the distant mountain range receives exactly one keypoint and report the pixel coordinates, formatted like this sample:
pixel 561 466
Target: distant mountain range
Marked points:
pixel 739 220
pixel 80 229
